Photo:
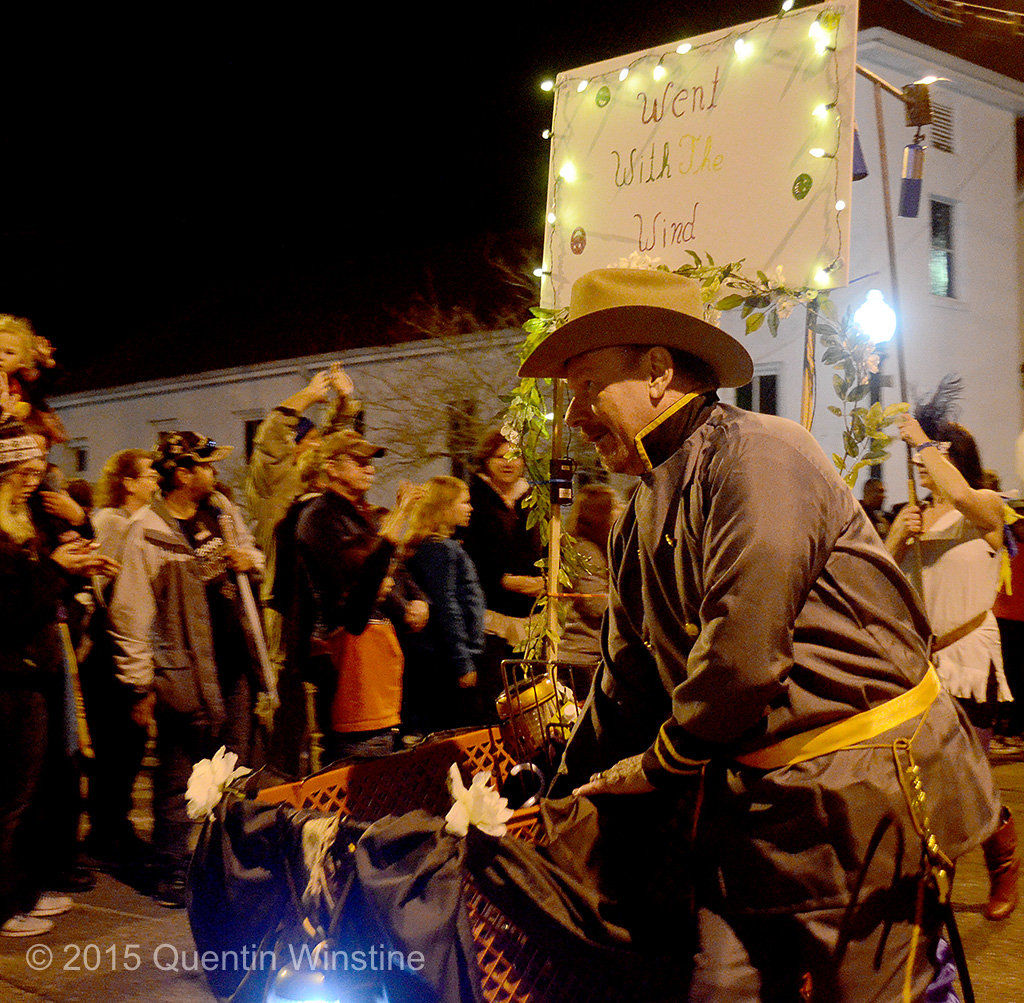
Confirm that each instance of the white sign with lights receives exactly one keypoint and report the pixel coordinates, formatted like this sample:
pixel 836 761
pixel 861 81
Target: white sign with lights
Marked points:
pixel 736 144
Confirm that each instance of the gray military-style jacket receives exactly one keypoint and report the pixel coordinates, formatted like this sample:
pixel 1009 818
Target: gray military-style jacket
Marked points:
pixel 751 600
pixel 160 618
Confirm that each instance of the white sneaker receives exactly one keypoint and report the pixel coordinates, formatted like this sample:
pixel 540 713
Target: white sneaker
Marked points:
pixel 51 905
pixel 26 926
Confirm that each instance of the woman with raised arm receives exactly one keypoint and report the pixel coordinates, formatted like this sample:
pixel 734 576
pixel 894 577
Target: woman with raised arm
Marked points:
pixel 350 559
pixel 949 547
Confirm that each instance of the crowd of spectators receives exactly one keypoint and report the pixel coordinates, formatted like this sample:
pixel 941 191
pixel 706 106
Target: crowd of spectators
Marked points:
pixel 148 609
pixel 310 627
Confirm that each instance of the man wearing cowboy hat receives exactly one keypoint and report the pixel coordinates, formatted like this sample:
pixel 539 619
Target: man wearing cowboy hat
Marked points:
pixel 764 656
pixel 185 642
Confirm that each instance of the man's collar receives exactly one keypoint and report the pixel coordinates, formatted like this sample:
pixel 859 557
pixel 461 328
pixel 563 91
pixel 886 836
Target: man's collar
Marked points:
pixel 660 438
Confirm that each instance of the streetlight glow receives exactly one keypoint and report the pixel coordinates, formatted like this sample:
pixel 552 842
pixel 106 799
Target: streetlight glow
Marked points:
pixel 876 318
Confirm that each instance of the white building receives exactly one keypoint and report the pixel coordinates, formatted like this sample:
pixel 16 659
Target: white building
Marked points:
pixel 961 291
pixel 960 278
pixel 416 398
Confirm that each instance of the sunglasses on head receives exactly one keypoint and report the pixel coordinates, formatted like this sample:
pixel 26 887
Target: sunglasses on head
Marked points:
pixel 206 450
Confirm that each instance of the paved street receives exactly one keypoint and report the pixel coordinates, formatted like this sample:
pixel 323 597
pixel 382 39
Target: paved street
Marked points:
pixel 994 950
pixel 116 944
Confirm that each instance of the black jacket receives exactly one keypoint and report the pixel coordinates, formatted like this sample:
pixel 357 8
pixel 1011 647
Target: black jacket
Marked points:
pixel 344 561
pixel 499 542
pixel 30 592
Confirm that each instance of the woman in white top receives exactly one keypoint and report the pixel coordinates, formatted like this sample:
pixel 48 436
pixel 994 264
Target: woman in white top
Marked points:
pixel 126 484
pixel 959 536
pixel 950 549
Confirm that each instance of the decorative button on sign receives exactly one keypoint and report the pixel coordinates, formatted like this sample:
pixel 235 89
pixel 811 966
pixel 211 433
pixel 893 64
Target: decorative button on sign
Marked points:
pixel 603 96
pixel 578 240
pixel 801 186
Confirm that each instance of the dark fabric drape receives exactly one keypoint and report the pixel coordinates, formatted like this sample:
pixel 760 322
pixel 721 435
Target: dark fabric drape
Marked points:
pixel 602 903
pixel 410 873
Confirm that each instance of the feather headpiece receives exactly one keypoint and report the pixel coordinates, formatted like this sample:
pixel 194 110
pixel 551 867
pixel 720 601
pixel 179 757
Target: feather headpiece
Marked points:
pixel 942 408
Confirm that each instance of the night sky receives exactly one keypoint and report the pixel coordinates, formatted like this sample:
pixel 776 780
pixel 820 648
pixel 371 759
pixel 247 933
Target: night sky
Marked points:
pixel 213 188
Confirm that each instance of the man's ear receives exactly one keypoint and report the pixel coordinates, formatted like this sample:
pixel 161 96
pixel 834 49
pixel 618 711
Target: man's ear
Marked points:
pixel 658 370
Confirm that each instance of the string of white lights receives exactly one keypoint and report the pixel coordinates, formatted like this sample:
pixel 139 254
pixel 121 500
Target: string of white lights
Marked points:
pixel 822 35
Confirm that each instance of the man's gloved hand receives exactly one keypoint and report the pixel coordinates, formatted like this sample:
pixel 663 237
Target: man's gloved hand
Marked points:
pixel 625 777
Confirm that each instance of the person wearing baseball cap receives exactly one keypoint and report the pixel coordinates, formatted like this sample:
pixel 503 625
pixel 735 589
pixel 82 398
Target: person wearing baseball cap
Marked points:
pixel 350 559
pixel 764 658
pixel 187 643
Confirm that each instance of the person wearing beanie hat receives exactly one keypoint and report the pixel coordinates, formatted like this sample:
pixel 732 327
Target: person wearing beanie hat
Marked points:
pixel 32 581
pixel 765 670
pixel 17 445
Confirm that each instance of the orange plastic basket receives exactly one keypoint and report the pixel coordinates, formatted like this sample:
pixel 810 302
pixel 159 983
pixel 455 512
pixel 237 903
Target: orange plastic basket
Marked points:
pixel 512 969
pixel 396 784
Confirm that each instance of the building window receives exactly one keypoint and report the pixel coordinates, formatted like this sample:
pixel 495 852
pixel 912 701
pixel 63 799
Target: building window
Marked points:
pixel 761 394
pixel 251 427
pixel 80 458
pixel 940 265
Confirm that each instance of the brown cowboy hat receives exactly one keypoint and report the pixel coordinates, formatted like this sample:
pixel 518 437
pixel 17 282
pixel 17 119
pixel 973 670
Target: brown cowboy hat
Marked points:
pixel 639 306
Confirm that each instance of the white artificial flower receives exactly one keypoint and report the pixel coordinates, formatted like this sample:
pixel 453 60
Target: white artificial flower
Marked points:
pixel 780 279
pixel 637 259
pixel 784 307
pixel 711 315
pixel 479 805
pixel 208 780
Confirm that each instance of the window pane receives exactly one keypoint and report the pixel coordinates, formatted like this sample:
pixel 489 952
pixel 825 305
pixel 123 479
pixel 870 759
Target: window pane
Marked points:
pixel 767 390
pixel 940 262
pixel 942 224
pixel 251 426
pixel 745 397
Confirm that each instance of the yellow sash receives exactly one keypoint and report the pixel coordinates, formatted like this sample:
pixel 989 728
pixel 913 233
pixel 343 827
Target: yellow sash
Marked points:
pixel 844 734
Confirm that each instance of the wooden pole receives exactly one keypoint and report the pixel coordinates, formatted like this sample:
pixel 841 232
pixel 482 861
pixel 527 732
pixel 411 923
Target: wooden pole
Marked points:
pixel 898 333
pixel 555 535
pixel 807 395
